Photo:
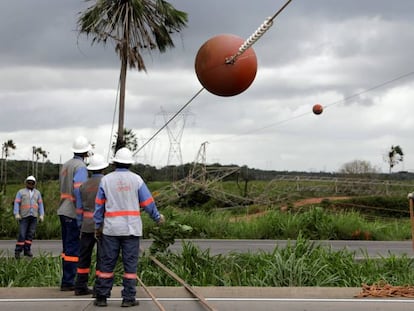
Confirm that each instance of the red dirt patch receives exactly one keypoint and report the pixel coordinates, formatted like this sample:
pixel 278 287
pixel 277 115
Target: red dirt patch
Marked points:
pixel 313 201
pixel 296 204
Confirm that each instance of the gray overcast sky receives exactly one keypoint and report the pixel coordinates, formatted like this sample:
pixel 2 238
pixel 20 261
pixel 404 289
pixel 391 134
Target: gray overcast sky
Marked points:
pixel 342 54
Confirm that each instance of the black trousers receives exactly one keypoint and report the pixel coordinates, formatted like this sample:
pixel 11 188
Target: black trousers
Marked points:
pixel 87 243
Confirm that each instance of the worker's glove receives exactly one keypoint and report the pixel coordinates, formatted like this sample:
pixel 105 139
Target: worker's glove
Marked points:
pixel 98 233
pixel 18 217
pixel 410 196
pixel 41 218
pixel 161 220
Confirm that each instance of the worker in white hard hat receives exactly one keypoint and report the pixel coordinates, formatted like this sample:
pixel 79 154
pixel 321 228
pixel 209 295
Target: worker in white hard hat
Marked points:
pixel 121 197
pixel 28 208
pixel 85 208
pixel 72 174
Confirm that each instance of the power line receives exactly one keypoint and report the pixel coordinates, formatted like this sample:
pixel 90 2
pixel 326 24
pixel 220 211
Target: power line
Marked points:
pixel 113 118
pixel 168 122
pixel 247 44
pixel 405 75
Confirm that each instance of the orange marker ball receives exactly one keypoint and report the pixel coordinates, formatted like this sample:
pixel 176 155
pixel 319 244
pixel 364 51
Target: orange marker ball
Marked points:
pixel 216 75
pixel 317 109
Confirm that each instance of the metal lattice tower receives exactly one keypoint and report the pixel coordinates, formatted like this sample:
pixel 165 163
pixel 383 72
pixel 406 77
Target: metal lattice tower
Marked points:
pixel 199 170
pixel 175 131
pixel 147 154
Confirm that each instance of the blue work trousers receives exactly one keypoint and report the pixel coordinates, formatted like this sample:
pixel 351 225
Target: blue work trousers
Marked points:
pixel 70 251
pixel 27 229
pixel 87 244
pixel 110 247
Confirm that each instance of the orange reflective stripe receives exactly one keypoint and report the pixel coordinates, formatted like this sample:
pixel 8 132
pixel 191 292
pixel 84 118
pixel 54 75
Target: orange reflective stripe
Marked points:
pixel 87 214
pixel 130 276
pixel 83 270
pixel 62 255
pixel 77 185
pixel 20 243
pixel 146 202
pixel 122 213
pixel 106 275
pixel 71 258
pixel 100 201
pixel 28 242
pixel 18 200
pixel 28 206
pixel 67 196
pixel 97 273
pixel 79 211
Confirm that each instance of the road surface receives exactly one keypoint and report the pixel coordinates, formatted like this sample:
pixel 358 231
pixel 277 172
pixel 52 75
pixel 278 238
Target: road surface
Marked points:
pixel 218 298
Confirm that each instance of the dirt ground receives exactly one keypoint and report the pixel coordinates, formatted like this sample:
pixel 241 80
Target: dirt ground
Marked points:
pixel 316 200
pixel 299 203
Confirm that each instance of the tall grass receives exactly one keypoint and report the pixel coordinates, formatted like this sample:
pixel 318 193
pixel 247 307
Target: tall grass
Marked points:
pixel 301 264
pixel 315 223
pixel 298 264
pixel 41 271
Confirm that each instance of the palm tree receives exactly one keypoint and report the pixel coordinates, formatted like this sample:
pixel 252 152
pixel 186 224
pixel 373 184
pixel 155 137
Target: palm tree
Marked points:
pixel 5 153
pixel 37 153
pixel 395 156
pixel 130 141
pixel 134 26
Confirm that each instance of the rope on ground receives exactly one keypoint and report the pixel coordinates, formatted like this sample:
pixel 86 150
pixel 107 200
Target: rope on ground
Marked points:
pixel 386 290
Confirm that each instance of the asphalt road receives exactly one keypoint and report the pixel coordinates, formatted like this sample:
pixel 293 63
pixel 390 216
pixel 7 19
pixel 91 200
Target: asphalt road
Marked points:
pixel 362 249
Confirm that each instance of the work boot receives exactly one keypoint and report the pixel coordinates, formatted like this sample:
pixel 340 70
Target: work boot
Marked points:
pixel 28 253
pixel 17 255
pixel 100 301
pixel 129 303
pixel 83 291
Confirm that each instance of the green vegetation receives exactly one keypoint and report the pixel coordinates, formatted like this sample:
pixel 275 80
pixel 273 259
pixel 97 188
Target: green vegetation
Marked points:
pixel 300 264
pixel 379 217
pixel 362 217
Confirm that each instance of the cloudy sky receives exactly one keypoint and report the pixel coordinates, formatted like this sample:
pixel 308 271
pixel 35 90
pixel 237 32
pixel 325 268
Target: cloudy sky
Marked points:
pixel 354 57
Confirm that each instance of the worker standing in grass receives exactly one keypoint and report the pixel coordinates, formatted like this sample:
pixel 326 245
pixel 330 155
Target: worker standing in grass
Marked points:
pixel 28 207
pixel 121 196
pixel 72 174
pixel 85 209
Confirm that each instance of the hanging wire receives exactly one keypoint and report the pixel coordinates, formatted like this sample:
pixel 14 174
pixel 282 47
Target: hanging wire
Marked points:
pixel 256 35
pixel 405 75
pixel 168 122
pixel 247 44
pixel 113 119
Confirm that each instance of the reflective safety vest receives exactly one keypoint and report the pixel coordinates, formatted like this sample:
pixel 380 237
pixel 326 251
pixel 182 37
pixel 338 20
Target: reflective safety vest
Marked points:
pixel 118 195
pixel 88 192
pixel 28 206
pixel 67 205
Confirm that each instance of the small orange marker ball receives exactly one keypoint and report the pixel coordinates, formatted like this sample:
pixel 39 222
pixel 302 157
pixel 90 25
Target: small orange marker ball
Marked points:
pixel 216 75
pixel 317 109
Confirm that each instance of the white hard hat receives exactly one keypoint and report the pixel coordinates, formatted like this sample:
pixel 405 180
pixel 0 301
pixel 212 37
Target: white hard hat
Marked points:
pixel 124 156
pixel 81 145
pixel 97 162
pixel 30 178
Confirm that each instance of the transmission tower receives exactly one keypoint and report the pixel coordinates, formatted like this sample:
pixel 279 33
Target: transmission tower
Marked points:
pixel 175 131
pixel 199 170
pixel 146 155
